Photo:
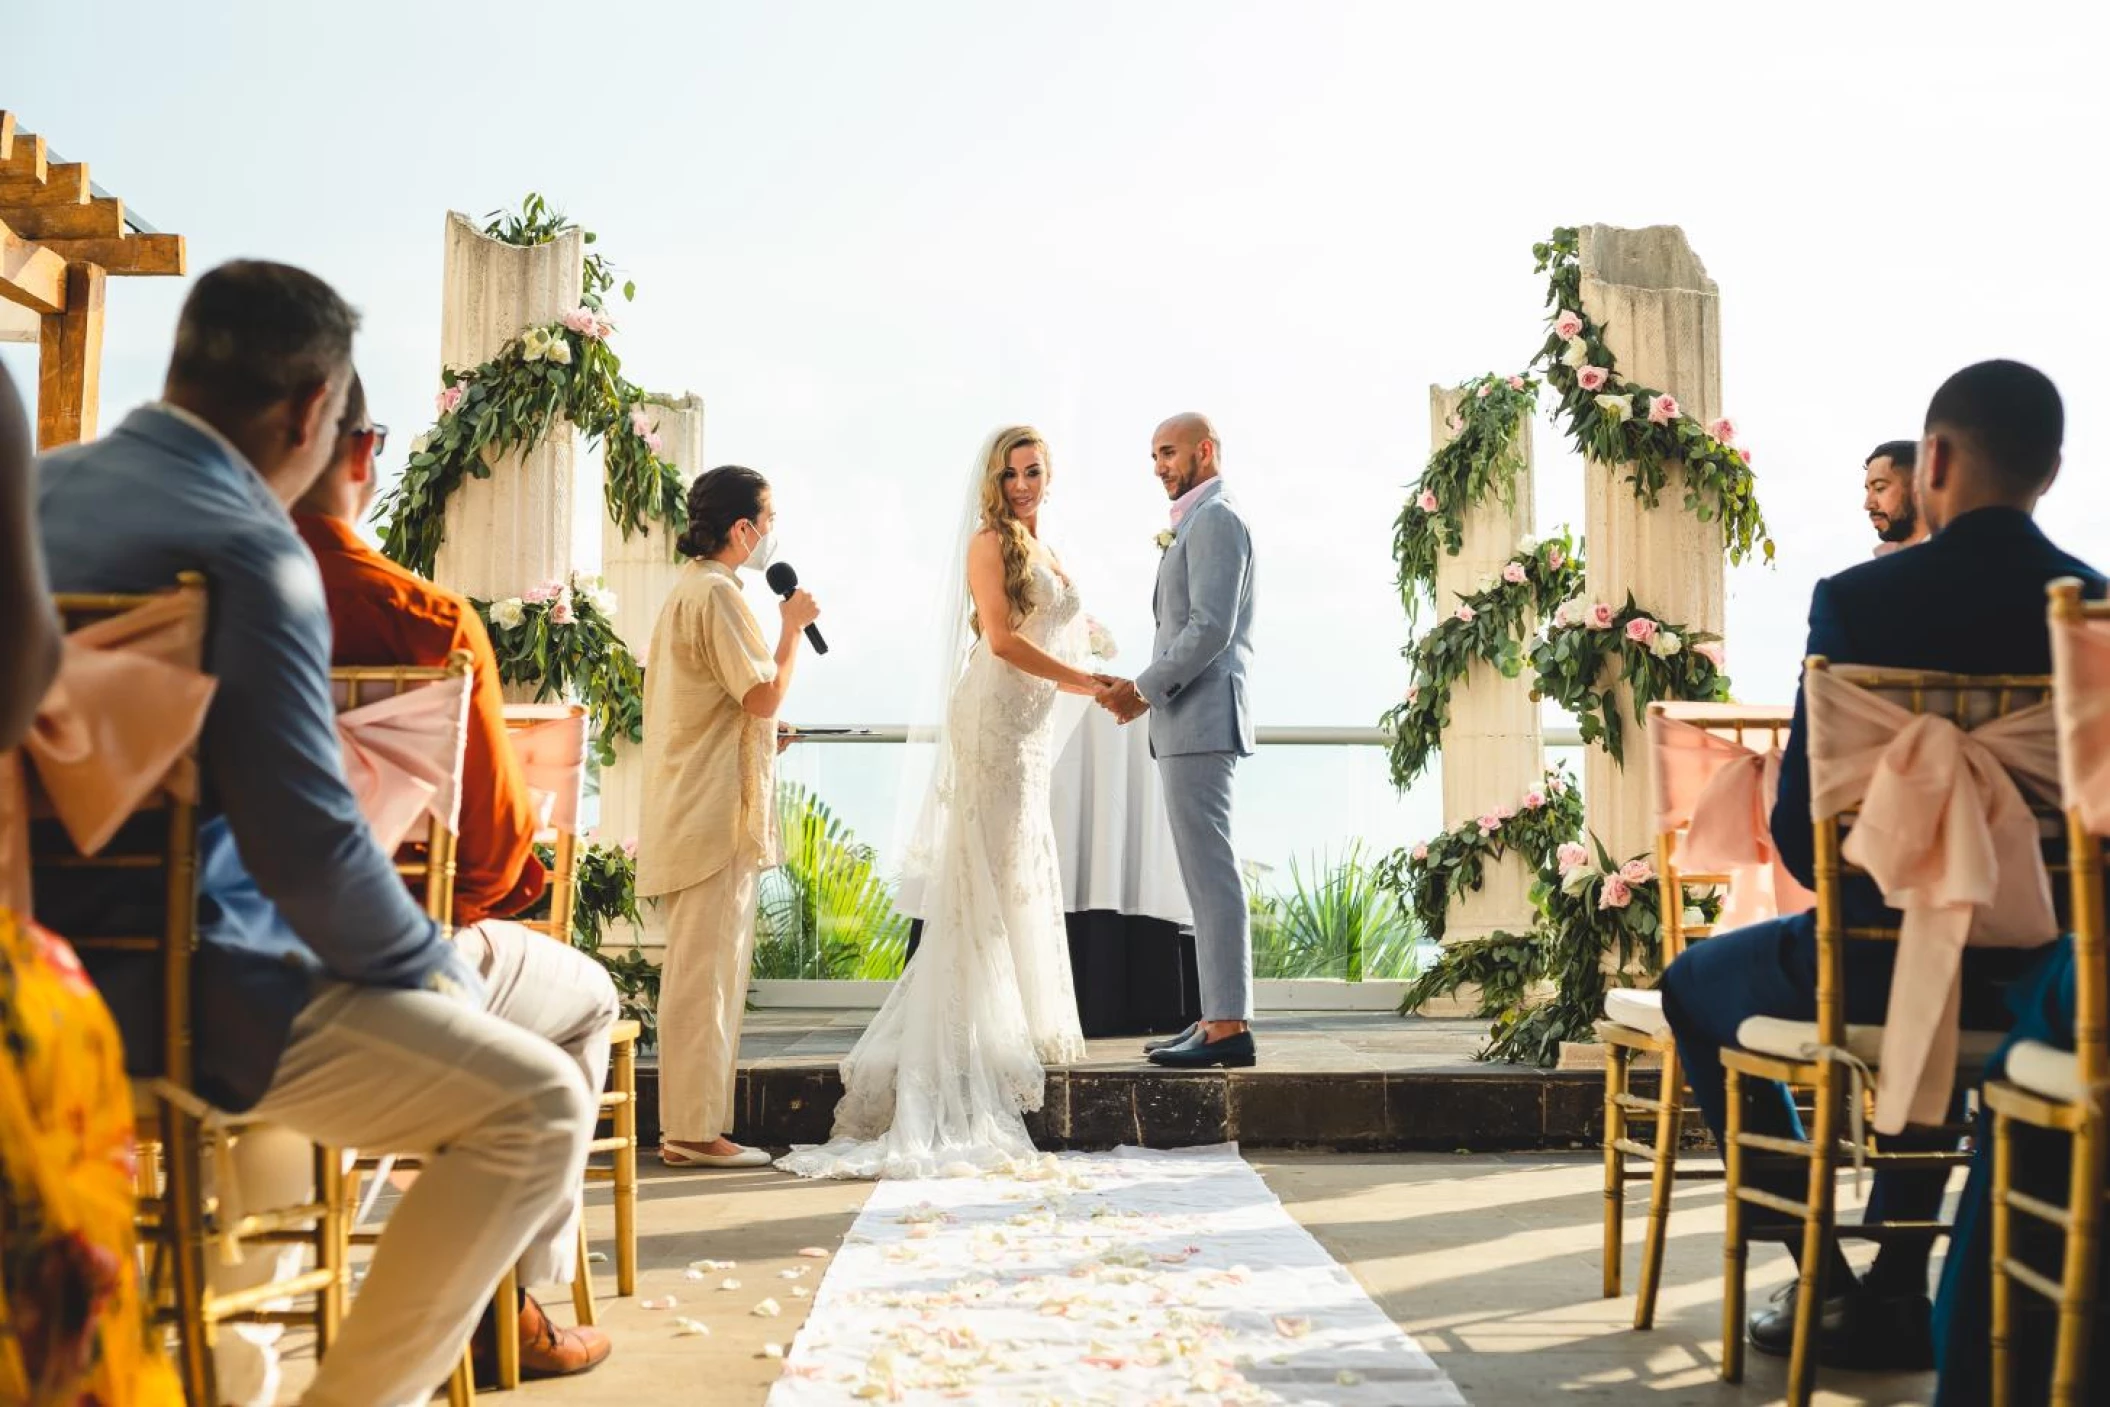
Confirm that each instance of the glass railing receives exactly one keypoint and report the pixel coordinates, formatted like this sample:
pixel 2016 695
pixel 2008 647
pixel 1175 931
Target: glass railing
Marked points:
pixel 1315 813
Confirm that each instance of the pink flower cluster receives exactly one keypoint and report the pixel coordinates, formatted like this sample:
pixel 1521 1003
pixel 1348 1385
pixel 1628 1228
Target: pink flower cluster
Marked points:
pixel 641 424
pixel 1487 388
pixel 1723 430
pixel 1592 378
pixel 1465 613
pixel 1600 616
pixel 1514 573
pixel 1662 410
pixel 1567 325
pixel 588 323
pixel 556 595
pixel 1516 383
pixel 1554 556
pixel 1619 888
pixel 1641 630
pixel 1711 651
pixel 1571 856
pixel 450 398
pixel 1492 821
pixel 1427 502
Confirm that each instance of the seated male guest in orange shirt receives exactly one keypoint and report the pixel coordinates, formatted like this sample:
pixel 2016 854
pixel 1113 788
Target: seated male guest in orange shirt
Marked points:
pixel 382 614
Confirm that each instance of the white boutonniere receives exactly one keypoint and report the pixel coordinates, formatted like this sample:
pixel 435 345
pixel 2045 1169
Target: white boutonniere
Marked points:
pixel 1165 540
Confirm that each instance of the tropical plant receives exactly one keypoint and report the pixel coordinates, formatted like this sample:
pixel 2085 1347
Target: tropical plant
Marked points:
pixel 1334 920
pixel 827 911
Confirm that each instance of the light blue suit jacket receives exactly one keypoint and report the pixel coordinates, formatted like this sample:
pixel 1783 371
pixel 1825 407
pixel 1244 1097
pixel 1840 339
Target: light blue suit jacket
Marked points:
pixel 1196 682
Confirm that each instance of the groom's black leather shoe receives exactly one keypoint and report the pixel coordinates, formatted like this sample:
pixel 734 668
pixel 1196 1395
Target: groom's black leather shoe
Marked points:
pixel 1232 1052
pixel 1150 1047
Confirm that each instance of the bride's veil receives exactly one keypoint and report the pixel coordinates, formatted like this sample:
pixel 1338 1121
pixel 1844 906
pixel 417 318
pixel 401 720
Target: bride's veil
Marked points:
pixel 924 799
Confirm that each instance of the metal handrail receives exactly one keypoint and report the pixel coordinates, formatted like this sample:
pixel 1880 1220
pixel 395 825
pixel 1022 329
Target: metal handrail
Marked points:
pixel 1268 737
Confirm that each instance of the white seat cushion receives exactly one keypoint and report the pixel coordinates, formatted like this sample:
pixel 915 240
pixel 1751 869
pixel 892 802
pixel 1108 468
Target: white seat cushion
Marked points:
pixel 2046 1070
pixel 1797 1040
pixel 1630 1006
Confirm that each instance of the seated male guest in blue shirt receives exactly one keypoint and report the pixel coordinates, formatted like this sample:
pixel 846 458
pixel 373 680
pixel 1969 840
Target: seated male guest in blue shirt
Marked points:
pixel 1970 599
pixel 326 1001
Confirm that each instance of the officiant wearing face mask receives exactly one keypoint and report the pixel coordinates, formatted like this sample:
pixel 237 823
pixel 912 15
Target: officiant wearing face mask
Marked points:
pixel 713 689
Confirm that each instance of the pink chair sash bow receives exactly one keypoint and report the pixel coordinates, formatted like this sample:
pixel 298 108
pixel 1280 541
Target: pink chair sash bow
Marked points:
pixel 116 725
pixel 552 757
pixel 1946 834
pixel 1721 793
pixel 2080 653
pixel 403 757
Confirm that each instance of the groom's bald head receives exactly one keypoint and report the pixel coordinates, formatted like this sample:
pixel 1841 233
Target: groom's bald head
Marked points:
pixel 1185 452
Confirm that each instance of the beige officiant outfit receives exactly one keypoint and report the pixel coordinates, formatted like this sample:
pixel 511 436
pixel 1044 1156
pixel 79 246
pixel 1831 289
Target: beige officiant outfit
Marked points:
pixel 709 830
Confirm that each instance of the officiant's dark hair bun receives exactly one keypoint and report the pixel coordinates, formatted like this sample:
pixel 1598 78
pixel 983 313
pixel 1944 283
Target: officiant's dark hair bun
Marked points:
pixel 718 499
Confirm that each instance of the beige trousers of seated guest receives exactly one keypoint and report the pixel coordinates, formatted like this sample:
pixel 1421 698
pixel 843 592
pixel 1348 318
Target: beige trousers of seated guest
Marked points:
pixel 702 998
pixel 554 1007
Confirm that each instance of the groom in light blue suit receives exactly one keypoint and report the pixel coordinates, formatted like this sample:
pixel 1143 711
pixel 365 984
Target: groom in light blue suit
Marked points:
pixel 1201 724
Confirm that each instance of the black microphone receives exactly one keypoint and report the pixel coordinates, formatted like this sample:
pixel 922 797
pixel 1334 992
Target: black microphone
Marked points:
pixel 783 580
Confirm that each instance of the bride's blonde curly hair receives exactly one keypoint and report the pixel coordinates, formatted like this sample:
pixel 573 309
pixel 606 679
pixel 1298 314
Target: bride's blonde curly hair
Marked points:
pixel 1013 541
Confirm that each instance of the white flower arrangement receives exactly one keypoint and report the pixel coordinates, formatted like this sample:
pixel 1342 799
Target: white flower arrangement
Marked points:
pixel 1099 639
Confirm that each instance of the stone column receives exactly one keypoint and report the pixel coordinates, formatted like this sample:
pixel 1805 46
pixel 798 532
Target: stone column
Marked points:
pixel 1662 321
pixel 1491 752
pixel 513 530
pixel 641 570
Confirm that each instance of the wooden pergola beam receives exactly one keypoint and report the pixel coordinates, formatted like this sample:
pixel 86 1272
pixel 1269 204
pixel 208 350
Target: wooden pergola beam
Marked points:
pixel 100 218
pixel 65 183
pixel 27 159
pixel 154 254
pixel 31 274
pixel 70 361
pixel 7 135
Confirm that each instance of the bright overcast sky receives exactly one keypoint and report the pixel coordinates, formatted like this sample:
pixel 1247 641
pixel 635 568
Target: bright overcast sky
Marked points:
pixel 867 234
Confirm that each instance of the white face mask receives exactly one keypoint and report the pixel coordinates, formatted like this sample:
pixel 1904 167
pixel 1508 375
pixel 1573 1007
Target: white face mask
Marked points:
pixel 765 552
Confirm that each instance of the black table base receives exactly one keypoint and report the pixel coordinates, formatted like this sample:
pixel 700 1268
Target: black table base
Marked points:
pixel 1134 976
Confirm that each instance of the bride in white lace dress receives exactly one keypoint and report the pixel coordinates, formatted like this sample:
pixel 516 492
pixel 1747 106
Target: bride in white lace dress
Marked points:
pixel 940 1080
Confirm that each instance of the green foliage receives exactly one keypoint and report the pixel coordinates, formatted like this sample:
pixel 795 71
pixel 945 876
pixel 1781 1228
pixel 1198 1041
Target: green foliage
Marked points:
pixel 605 892
pixel 1424 880
pixel 1588 649
pixel 1492 624
pixel 1484 456
pixel 560 639
pixel 1335 920
pixel 827 911
pixel 1503 966
pixel 1719 484
pixel 563 370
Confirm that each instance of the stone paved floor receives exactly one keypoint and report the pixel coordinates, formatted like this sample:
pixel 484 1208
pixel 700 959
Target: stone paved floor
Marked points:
pixel 1491 1261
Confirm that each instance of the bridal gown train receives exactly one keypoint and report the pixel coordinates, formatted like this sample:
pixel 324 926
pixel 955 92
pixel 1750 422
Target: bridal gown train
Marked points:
pixel 939 1082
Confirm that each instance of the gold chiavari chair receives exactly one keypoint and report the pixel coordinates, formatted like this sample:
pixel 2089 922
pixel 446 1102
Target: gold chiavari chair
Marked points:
pixel 550 742
pixel 1634 1023
pixel 153 861
pixel 1830 1058
pixel 2061 1090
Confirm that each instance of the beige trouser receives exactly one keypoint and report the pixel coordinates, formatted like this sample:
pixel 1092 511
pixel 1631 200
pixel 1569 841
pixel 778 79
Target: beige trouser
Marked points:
pixel 702 997
pixel 497 1105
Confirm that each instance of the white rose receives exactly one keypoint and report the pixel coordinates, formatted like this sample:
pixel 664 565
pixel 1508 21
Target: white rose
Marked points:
pixel 421 443
pixel 1693 918
pixel 1616 408
pixel 1665 644
pixel 560 351
pixel 508 613
pixel 535 345
pixel 1578 879
pixel 1527 543
pixel 1578 354
pixel 1571 612
pixel 602 600
pixel 1488 582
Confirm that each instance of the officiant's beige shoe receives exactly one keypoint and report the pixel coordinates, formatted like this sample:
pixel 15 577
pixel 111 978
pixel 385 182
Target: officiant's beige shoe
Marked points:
pixel 681 1158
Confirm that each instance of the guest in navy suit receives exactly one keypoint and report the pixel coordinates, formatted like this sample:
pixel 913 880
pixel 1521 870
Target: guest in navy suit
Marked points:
pixel 1970 599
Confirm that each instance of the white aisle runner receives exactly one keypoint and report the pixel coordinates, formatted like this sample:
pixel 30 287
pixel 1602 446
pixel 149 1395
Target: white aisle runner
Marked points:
pixel 1130 1279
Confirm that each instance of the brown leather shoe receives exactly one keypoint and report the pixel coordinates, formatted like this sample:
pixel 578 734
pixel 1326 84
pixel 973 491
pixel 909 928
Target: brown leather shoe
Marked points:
pixel 546 1351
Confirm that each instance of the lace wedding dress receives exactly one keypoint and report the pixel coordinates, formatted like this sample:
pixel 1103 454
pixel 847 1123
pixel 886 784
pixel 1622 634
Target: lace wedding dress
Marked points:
pixel 939 1081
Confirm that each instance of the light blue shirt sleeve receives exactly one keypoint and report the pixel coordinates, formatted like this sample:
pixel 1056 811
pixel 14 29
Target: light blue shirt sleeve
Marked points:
pixel 277 771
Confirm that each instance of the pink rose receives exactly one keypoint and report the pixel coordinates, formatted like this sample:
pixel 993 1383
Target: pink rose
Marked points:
pixel 1711 651
pixel 584 321
pixel 1567 325
pixel 1516 383
pixel 561 614
pixel 1592 378
pixel 1641 630
pixel 1637 871
pixel 1723 429
pixel 654 443
pixel 1662 410
pixel 1421 852
pixel 1465 613
pixel 1514 573
pixel 1554 557
pixel 639 421
pixel 1571 856
pixel 1505 813
pixel 1615 894
pixel 1490 824
pixel 1600 616
pixel 1427 502
pixel 1487 388
pixel 1746 454
pixel 1413 692
pixel 1556 786
pixel 449 398
pixel 1534 800
pixel 548 591
pixel 630 848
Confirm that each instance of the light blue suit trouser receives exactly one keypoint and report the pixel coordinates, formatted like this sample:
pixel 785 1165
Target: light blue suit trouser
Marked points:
pixel 1198 803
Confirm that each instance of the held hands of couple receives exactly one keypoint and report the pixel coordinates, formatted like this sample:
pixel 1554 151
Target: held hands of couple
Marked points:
pixel 1119 697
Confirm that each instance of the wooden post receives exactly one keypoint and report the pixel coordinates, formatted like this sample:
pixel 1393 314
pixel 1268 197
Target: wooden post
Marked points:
pixel 70 360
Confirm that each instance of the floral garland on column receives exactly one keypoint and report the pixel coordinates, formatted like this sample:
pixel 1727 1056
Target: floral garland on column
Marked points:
pixel 1536 827
pixel 1588 648
pixel 1492 624
pixel 510 404
pixel 1482 457
pixel 1617 421
pixel 561 638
